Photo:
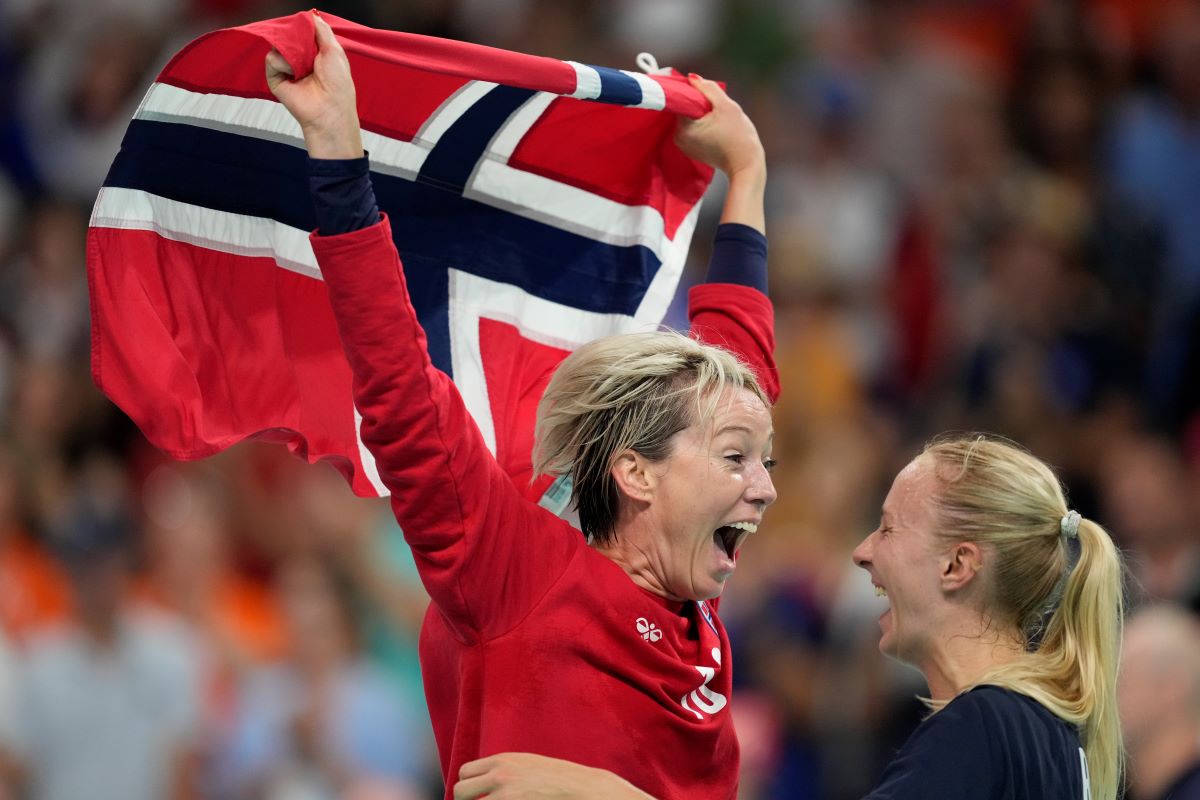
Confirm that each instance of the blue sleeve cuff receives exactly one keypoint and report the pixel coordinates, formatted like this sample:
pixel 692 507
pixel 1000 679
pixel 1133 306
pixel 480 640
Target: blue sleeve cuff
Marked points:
pixel 342 195
pixel 739 255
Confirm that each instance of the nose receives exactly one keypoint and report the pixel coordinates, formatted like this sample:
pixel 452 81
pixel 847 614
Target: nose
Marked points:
pixel 761 489
pixel 862 553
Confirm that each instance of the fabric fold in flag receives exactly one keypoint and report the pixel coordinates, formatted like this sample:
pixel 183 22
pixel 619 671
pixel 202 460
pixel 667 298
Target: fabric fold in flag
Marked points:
pixel 536 203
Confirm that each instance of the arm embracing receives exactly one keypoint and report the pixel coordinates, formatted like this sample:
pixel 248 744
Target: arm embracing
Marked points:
pixel 525 775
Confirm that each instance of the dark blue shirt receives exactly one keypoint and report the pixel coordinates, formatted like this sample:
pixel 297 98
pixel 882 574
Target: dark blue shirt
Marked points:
pixel 987 744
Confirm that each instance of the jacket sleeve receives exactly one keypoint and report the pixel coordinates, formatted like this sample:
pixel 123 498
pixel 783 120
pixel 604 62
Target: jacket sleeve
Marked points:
pixel 742 320
pixel 485 554
pixel 731 309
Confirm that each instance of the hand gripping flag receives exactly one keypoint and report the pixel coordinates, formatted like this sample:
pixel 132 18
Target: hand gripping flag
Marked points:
pixel 537 204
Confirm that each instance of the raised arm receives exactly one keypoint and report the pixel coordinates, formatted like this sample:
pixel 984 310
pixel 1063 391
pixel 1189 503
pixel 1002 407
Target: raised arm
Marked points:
pixel 731 308
pixel 726 139
pixel 484 553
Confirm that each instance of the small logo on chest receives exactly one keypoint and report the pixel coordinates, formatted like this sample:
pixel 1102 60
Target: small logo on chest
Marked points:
pixel 649 631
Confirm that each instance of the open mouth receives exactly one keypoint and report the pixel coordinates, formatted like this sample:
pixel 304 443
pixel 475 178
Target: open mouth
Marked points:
pixel 730 537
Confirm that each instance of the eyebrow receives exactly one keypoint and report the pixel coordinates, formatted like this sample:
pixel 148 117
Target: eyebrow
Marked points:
pixel 741 429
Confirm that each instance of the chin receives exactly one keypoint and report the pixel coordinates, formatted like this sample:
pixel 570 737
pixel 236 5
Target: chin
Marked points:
pixel 887 646
pixel 708 590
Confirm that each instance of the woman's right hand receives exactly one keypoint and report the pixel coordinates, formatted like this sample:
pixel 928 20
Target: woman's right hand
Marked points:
pixel 525 776
pixel 323 102
pixel 725 138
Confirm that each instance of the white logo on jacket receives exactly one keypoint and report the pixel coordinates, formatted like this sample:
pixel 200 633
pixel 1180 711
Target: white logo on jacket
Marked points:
pixel 702 698
pixel 649 631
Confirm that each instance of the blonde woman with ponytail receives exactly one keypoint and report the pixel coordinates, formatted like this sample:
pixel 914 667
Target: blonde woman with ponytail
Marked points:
pixel 1010 604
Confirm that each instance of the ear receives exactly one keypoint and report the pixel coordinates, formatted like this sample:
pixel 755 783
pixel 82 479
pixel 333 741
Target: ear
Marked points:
pixel 634 479
pixel 960 566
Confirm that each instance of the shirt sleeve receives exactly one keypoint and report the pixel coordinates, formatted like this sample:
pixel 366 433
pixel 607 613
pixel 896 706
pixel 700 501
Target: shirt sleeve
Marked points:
pixel 949 755
pixel 732 309
pixel 739 256
pixel 342 195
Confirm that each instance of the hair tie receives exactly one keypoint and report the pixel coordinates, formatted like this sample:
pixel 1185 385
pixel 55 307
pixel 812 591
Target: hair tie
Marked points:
pixel 1069 525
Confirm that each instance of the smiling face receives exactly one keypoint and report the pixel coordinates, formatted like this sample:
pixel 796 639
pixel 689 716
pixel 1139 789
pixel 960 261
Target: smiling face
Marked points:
pixel 903 557
pixel 699 504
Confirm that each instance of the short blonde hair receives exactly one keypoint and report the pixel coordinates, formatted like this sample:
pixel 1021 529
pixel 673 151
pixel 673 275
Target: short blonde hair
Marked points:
pixel 628 392
pixel 1062 591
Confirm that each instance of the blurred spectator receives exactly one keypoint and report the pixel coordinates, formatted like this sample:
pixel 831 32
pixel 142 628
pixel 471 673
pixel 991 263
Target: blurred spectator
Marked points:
pixel 82 84
pixel 45 288
pixel 838 222
pixel 33 588
pixel 1159 699
pixel 232 621
pixel 190 570
pixel 325 723
pixel 362 539
pixel 108 704
pixel 780 643
pixel 909 79
pixel 1155 159
pixel 1148 502
pixel 1033 347
pixel 10 768
pixel 675 31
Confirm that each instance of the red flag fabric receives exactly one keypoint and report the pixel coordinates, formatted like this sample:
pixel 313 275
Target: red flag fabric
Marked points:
pixel 536 203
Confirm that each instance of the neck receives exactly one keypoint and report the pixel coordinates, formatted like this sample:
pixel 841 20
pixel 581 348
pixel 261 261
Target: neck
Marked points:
pixel 1158 762
pixel 631 551
pixel 965 656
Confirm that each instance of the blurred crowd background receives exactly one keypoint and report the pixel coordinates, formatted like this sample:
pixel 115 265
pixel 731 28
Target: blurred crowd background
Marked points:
pixel 983 214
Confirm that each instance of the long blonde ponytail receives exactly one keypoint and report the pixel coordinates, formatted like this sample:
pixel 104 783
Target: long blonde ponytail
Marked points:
pixel 1057 579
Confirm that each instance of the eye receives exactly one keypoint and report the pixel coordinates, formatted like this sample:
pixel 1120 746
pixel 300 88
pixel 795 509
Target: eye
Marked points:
pixel 736 458
pixel 769 464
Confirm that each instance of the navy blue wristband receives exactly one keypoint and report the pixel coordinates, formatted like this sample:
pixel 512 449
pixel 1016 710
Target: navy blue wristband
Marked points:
pixel 739 255
pixel 342 195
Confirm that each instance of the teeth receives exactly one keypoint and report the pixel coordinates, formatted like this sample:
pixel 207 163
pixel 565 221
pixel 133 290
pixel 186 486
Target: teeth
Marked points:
pixel 748 527
pixel 880 591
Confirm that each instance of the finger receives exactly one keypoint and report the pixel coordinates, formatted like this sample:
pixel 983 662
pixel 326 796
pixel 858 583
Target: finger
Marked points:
pixel 278 64
pixel 473 769
pixel 326 38
pixel 473 788
pixel 711 90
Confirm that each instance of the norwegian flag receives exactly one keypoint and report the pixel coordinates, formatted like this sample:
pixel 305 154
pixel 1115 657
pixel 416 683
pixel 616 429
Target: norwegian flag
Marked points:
pixel 536 203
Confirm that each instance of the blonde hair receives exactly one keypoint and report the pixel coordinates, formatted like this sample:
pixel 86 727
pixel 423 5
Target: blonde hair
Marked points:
pixel 1068 608
pixel 628 392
